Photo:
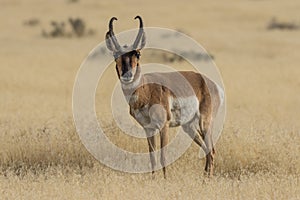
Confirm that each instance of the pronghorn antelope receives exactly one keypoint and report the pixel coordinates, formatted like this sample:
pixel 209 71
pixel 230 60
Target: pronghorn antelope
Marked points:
pixel 194 109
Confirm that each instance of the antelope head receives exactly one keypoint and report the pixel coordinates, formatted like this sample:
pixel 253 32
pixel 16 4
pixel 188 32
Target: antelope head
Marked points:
pixel 126 57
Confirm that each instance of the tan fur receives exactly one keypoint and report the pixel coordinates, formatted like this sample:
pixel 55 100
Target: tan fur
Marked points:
pixel 156 93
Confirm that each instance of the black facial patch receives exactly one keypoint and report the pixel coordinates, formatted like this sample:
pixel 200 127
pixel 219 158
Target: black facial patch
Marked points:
pixel 118 71
pixel 125 61
pixel 126 64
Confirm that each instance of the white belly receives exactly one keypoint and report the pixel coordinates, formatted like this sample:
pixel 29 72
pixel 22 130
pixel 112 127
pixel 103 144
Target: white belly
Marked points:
pixel 183 109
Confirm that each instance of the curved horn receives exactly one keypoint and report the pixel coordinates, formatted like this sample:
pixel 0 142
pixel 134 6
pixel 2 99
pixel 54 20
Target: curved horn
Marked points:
pixel 141 34
pixel 112 34
pixel 110 26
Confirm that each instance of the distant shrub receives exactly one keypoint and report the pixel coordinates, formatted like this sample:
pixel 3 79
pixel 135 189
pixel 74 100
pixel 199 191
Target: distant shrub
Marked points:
pixel 31 22
pixel 78 26
pixel 73 1
pixel 57 31
pixel 78 29
pixel 274 24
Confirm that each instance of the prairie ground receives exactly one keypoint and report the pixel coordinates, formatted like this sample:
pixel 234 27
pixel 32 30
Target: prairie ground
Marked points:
pixel 41 156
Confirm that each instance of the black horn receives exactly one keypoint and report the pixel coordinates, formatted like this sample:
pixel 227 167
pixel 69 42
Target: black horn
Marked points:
pixel 110 26
pixel 140 36
pixel 111 34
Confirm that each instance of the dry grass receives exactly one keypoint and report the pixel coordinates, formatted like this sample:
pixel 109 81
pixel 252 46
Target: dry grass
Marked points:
pixel 41 156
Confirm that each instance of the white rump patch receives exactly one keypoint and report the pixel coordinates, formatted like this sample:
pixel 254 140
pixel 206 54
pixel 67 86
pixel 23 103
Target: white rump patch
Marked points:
pixel 183 109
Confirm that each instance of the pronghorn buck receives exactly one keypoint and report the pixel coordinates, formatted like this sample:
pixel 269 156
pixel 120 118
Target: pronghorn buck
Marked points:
pixel 158 101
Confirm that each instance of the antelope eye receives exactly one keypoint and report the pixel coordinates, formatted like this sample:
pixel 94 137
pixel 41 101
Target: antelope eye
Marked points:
pixel 137 54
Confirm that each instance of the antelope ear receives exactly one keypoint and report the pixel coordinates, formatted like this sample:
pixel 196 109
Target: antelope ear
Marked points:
pixel 143 41
pixel 141 44
pixel 109 43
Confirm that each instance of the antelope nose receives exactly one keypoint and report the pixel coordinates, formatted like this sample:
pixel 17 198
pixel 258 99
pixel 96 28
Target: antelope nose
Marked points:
pixel 128 74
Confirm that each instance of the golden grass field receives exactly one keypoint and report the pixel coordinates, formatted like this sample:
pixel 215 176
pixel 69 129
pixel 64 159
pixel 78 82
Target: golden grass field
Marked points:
pixel 41 156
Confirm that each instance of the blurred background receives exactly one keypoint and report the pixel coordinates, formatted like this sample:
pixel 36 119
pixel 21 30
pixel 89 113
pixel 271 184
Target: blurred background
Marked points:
pixel 254 43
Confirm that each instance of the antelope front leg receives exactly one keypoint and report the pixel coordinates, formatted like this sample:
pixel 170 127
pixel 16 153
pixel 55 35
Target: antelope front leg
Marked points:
pixel 164 140
pixel 152 147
